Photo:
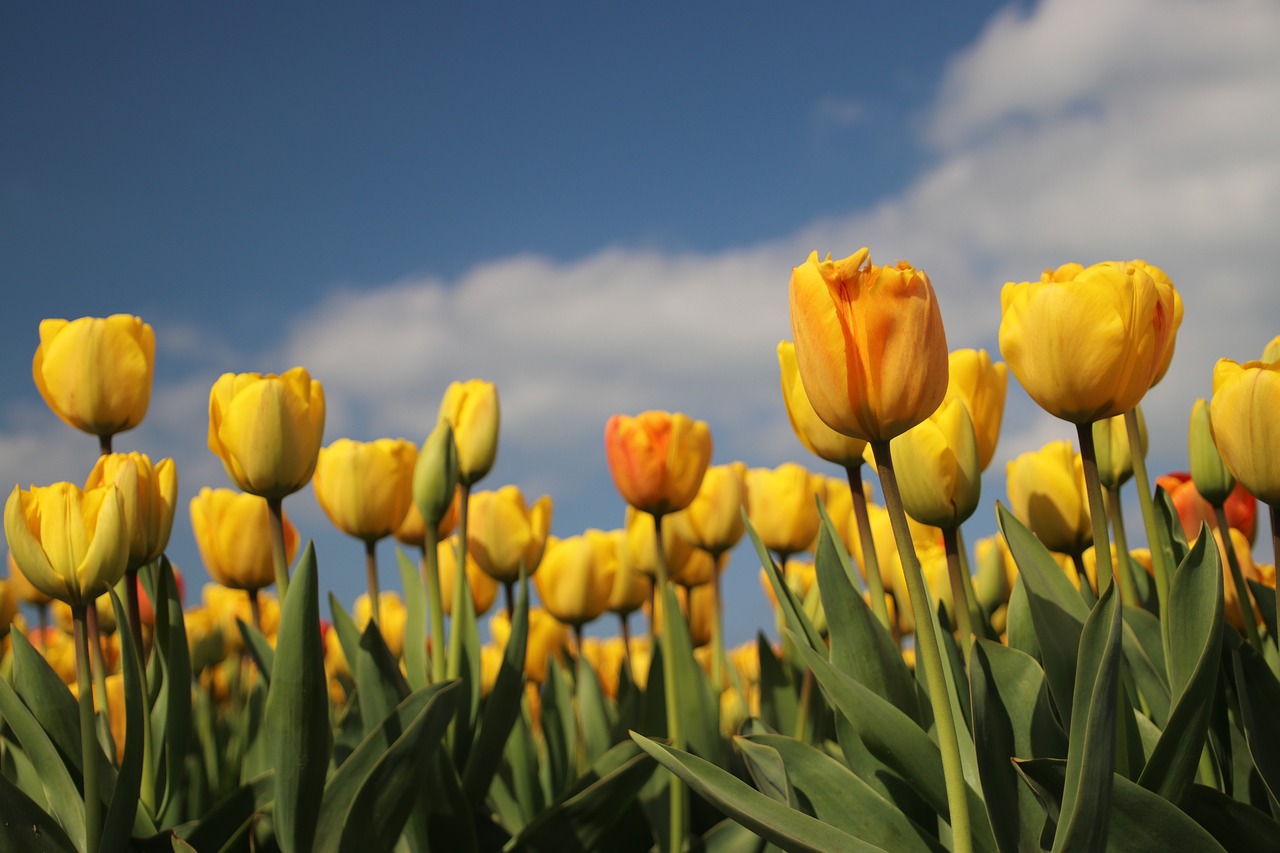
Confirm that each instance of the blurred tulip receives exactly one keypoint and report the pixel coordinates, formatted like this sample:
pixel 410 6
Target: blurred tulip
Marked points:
pixel 699 604
pixel 782 506
pixel 267 430
pixel 64 619
pixel 226 606
pixel 818 438
pixel 412 531
pixel 870 344
pixel 1111 444
pixel 641 551
pixel 701 568
pixel 1213 481
pixel 8 606
pixel 22 588
pixel 95 373
pixel 548 637
pixel 1245 416
pixel 150 495
pixel 232 534
pixel 1193 510
pixel 471 409
pixel 391 619
pixel 981 385
pixel 365 488
pixel 436 478
pixel 147 612
pixel 1046 493
pixel 504 533
pixel 838 499
pixel 1272 351
pixel 1232 609
pixel 937 465
pixel 71 545
pixel 573 586
pixel 713 519
pixel 630 587
pixel 484 589
pixel 657 459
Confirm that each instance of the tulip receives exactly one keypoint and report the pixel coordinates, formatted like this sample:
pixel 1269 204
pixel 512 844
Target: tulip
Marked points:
pixel 1111 443
pixel 657 459
pixel 436 477
pixel 713 519
pixel 699 604
pixel 938 468
pixel 1211 477
pixel 412 530
pixel 1245 417
pixel 471 409
pixel 981 385
pixel 782 506
pixel 267 430
pixel 23 588
pixel 365 488
pixel 630 587
pixel 641 552
pixel 8 606
pixel 548 637
pixel 226 606
pixel 1271 353
pixel 1046 493
pixel 483 589
pixel 573 586
pixel 870 345
pixel 1168 296
pixel 391 617
pixel 71 545
pixel 232 532
pixel 506 534
pixel 105 613
pixel 150 496
pixel 96 373
pixel 818 438
pixel 1193 510
pixel 1087 343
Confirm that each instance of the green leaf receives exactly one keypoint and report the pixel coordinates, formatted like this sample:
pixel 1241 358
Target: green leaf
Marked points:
pixel 502 706
pixel 380 685
pixel 1138 821
pixel 767 772
pixel 829 791
pixel 369 798
pixel 348 633
pixel 232 815
pixel 1144 652
pixel 789 829
pixel 175 732
pixel 583 817
pixel 1236 825
pixel 559 729
pixel 26 826
pixel 259 649
pixel 48 697
pixel 1011 718
pixel 778 704
pixel 792 609
pixel 699 706
pixel 1019 629
pixel 124 803
pixel 1091 751
pixel 296 725
pixel 1259 694
pixel 1195 606
pixel 415 621
pixel 593 712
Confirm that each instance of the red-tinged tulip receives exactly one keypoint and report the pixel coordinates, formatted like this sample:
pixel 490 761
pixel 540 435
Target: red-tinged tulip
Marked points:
pixel 657 459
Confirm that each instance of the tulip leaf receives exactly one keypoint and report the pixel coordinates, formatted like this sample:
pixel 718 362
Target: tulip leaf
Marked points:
pixel 699 708
pixel 829 791
pixel 787 828
pixel 380 685
pixel 583 817
pixel 1265 597
pixel 767 772
pixel 233 815
pixel 882 779
pixel 48 697
pixel 26 826
pixel 1195 606
pixel 1011 717
pixel 1236 825
pixel 1137 820
pixel 729 836
pixel 860 646
pixel 559 728
pixel 369 798
pixel 1145 655
pixel 415 621
pixel 1091 751
pixel 296 724
pixel 348 633
pixel 259 649
pixel 778 705
pixel 893 738
pixel 1019 629
pixel 171 642
pixel 1259 694
pixel 125 798
pixel 792 609
pixel 593 712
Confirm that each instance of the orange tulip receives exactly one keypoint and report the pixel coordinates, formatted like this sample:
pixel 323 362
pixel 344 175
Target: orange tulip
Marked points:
pixel 657 459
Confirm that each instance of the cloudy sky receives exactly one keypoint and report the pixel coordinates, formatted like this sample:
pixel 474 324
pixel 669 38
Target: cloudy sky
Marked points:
pixel 598 208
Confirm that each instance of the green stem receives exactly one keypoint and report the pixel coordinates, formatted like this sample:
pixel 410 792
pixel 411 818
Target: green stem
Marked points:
pixel 371 578
pixel 255 609
pixel 1275 550
pixel 959 597
pixel 977 617
pixel 1237 578
pixel 104 445
pixel 1156 536
pixel 670 690
pixel 135 617
pixel 870 562
pixel 431 577
pixel 1097 508
pixel 717 629
pixel 89 750
pixel 625 631
pixel 928 654
pixel 802 710
pixel 460 587
pixel 99 664
pixel 279 557
pixel 1115 509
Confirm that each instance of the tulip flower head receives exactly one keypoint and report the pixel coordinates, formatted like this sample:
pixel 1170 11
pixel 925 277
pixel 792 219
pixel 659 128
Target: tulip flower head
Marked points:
pixel 232 534
pixel 981 385
pixel 365 488
pixel 573 585
pixel 713 519
pixel 870 345
pixel 813 432
pixel 1194 510
pixel 938 469
pixel 150 494
pixel 484 589
pixel 1245 417
pixel 1046 493
pixel 471 409
pixel 657 459
pixel 504 533
pixel 95 373
pixel 267 429
pixel 782 506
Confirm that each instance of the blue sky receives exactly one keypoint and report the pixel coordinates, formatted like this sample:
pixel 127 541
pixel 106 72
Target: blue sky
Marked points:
pixel 597 207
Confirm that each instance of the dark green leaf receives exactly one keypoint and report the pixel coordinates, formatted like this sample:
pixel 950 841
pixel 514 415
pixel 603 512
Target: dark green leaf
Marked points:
pixel 1259 694
pixel 415 621
pixel 1234 824
pixel 778 704
pixel 221 824
pixel 26 826
pixel 259 648
pixel 124 802
pixel 699 705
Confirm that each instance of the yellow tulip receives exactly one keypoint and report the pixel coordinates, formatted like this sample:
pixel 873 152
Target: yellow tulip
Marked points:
pixel 1046 493
pixel 1245 416
pixel 713 519
pixel 412 531
pixel 701 568
pixel 484 589
pixel 1272 351
pixel 630 587
pixel 698 604
pixel 818 438
pixel 365 488
pixel 150 496
pixel 781 503
pixel 71 545
pixel 392 616
pixel 573 586
pixel 657 459
pixel 8 606
pixel 233 535
pixel 471 408
pixel 226 605
pixel 938 470
pixel 23 588
pixel 870 345
pixel 267 429
pixel 1111 444
pixel 548 637
pixel 504 533
pixel 981 385
pixel 1087 343
pixel 641 552
pixel 1168 295
pixel 95 373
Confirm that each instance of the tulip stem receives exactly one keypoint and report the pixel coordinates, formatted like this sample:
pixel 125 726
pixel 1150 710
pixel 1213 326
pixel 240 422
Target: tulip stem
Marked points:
pixel 1157 537
pixel 1115 509
pixel 255 609
pixel 279 558
pixel 89 749
pixel 431 577
pixel 671 695
pixel 928 654
pixel 625 630
pixel 371 578
pixel 1237 578
pixel 509 595
pixel 1275 550
pixel 1097 507
pixel 135 614
pixel 104 445
pixel 99 674
pixel 870 562
pixel 717 629
pixel 959 598
pixel 977 617
pixel 460 587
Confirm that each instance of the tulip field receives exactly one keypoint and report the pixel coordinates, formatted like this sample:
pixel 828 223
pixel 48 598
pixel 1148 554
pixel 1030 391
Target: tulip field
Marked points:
pixel 1064 685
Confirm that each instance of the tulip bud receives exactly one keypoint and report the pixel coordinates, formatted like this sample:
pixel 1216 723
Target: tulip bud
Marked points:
pixel 1213 481
pixel 1271 353
pixel 1046 493
pixel 436 474
pixel 991 581
pixel 937 465
pixel 471 409
pixel 1245 418
pixel 981 385
pixel 1111 445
